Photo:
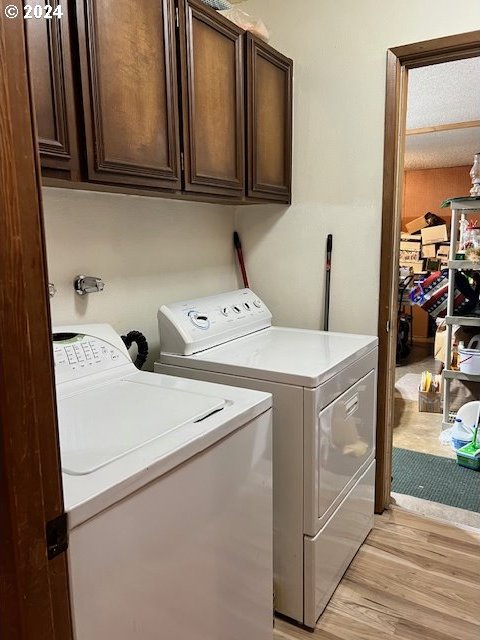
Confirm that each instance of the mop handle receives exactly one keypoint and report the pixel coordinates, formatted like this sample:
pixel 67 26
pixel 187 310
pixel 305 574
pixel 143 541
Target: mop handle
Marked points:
pixel 475 431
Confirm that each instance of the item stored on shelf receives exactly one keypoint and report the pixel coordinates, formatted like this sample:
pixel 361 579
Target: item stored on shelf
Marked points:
pixel 432 293
pixel 475 176
pixel 469 358
pixel 471 242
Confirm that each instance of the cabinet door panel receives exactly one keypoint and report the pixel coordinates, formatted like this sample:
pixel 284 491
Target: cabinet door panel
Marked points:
pixel 129 85
pixel 269 87
pixel 213 101
pixel 51 73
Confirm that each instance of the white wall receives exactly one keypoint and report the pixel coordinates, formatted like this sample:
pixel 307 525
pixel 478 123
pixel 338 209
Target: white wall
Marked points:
pixel 339 51
pixel 149 251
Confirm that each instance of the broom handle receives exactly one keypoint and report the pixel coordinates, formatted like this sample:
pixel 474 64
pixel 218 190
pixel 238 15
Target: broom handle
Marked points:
pixel 238 246
pixel 328 269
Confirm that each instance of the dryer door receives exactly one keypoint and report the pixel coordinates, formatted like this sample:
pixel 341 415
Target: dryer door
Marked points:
pixel 340 448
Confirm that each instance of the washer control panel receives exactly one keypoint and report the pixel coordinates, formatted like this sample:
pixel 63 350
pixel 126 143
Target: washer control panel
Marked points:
pixel 78 354
pixel 194 325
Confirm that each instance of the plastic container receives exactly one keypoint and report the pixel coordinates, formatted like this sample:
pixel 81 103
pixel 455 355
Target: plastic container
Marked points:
pixel 469 455
pixel 469 361
pixel 461 434
pixel 468 413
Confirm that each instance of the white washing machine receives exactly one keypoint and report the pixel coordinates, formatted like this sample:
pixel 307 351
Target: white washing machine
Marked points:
pixel 167 487
pixel 324 401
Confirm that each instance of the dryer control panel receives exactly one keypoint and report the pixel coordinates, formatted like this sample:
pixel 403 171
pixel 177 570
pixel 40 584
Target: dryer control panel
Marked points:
pixel 194 325
pixel 78 353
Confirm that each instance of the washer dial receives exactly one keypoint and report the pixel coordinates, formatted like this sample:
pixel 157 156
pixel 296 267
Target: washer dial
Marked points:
pixel 199 320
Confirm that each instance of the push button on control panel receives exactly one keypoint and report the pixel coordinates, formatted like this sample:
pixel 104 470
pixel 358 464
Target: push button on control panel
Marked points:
pixel 78 355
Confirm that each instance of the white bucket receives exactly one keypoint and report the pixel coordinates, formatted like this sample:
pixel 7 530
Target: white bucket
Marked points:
pixel 469 361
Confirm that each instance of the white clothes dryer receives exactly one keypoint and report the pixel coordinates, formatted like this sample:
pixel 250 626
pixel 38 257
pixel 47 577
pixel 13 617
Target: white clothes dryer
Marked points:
pixel 324 417
pixel 167 488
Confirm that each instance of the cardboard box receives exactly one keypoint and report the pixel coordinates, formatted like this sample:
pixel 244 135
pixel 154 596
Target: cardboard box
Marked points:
pixel 429 251
pixel 430 402
pixel 432 235
pixel 410 251
pixel 409 236
pixel 416 267
pixel 442 252
pixel 416 225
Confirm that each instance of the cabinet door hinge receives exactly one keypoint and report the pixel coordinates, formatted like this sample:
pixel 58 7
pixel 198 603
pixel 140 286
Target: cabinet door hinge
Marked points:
pixel 177 19
pixel 182 161
pixel 57 536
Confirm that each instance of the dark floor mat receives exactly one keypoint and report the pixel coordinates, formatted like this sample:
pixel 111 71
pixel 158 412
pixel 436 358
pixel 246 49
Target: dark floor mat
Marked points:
pixel 435 478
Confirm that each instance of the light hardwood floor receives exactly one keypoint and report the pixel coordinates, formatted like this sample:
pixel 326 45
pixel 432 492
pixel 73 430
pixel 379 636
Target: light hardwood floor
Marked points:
pixel 415 578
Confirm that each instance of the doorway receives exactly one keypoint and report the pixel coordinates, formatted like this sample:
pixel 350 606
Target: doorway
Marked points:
pixel 410 145
pixel 442 136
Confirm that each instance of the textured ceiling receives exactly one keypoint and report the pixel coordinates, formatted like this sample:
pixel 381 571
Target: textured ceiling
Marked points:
pixel 443 94
pixel 442 149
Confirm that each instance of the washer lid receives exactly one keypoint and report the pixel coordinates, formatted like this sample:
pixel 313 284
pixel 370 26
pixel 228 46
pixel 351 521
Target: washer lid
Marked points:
pixel 101 424
pixel 292 356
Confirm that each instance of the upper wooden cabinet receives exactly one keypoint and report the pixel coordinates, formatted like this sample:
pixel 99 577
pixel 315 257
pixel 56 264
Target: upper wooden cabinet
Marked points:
pixel 51 73
pixel 129 88
pixel 164 95
pixel 269 122
pixel 212 80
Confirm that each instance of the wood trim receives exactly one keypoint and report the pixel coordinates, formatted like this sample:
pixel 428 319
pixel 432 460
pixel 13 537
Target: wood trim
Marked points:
pixel 34 590
pixel 463 45
pixel 384 411
pixel 193 180
pixel 399 60
pixel 452 126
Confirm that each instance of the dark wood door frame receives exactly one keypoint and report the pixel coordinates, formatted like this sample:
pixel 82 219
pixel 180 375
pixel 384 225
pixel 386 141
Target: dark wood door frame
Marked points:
pixel 399 60
pixel 34 590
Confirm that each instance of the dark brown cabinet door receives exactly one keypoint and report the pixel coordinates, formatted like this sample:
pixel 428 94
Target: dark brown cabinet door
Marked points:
pixel 129 88
pixel 51 74
pixel 213 101
pixel 269 122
